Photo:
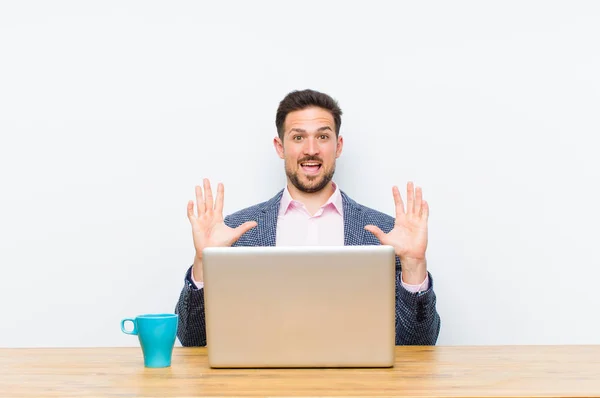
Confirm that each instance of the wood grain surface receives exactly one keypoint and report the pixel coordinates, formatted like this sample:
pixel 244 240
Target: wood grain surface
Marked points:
pixel 498 371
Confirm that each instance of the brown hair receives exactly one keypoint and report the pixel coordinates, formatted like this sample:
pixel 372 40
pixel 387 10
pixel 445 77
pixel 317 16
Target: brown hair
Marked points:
pixel 298 100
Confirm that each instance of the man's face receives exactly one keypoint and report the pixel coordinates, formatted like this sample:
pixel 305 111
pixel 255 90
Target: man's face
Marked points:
pixel 309 148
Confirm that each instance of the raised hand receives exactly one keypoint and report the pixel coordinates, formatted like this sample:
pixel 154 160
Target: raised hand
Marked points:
pixel 208 227
pixel 409 235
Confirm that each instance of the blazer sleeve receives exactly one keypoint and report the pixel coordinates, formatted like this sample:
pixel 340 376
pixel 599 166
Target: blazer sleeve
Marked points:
pixel 191 328
pixel 417 319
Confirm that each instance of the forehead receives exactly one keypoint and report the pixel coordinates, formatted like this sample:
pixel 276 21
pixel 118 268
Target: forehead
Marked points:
pixel 309 119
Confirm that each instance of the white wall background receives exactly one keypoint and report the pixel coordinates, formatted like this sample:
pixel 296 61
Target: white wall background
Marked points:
pixel 111 112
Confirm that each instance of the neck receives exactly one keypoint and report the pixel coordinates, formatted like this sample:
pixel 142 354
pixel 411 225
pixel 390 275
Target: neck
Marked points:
pixel 314 200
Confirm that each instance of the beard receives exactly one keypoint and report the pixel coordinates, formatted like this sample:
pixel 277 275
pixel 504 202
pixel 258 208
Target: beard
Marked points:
pixel 315 183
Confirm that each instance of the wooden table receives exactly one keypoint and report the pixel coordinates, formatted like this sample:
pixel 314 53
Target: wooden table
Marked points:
pixel 515 371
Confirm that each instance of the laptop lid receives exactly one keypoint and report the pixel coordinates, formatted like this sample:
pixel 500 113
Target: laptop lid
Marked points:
pixel 300 306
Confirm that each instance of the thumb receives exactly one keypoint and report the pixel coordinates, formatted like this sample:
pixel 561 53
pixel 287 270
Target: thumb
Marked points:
pixel 379 234
pixel 245 227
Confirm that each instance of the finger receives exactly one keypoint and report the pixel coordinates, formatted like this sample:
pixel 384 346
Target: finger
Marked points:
pixel 410 198
pixel 220 198
pixel 425 210
pixel 190 209
pixel 245 227
pixel 199 201
pixel 418 201
pixel 208 196
pixel 379 234
pixel 399 203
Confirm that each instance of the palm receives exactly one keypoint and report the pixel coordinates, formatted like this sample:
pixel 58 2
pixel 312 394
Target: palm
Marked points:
pixel 208 226
pixel 409 235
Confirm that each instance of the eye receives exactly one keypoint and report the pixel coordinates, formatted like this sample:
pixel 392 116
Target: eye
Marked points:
pixel 324 136
pixel 297 138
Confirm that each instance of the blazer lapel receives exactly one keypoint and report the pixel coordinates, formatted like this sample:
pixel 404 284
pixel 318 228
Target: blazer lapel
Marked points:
pixel 267 221
pixel 353 222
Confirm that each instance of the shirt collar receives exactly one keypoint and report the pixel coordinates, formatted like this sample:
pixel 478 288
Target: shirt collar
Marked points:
pixel 334 200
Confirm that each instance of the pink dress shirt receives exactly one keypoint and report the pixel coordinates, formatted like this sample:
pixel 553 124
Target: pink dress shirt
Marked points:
pixel 296 227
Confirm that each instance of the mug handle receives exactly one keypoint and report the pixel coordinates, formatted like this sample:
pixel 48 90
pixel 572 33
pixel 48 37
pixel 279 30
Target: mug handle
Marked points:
pixel 134 331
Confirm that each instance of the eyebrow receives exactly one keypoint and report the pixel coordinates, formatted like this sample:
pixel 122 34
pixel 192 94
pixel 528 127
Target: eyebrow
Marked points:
pixel 320 129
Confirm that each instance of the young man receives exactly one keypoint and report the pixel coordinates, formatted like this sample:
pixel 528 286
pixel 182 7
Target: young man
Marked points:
pixel 312 210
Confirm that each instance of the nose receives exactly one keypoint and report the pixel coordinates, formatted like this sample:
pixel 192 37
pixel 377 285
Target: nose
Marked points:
pixel 311 147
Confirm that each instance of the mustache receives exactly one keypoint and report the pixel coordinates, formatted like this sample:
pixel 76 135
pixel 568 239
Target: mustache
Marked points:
pixel 310 158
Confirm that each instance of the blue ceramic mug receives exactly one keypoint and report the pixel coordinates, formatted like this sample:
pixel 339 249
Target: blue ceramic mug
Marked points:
pixel 157 333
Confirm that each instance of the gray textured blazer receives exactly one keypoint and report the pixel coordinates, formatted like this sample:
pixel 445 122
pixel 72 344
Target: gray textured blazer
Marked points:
pixel 417 320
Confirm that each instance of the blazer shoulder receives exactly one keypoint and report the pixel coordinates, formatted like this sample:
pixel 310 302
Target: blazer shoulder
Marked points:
pixel 378 218
pixel 371 216
pixel 251 213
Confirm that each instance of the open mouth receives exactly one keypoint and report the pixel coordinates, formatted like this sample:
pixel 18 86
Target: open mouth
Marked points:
pixel 310 167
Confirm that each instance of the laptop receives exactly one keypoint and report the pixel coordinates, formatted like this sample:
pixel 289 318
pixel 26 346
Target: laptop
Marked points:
pixel 300 306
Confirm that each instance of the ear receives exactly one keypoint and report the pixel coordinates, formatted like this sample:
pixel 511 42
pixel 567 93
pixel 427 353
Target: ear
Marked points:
pixel 340 145
pixel 278 146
